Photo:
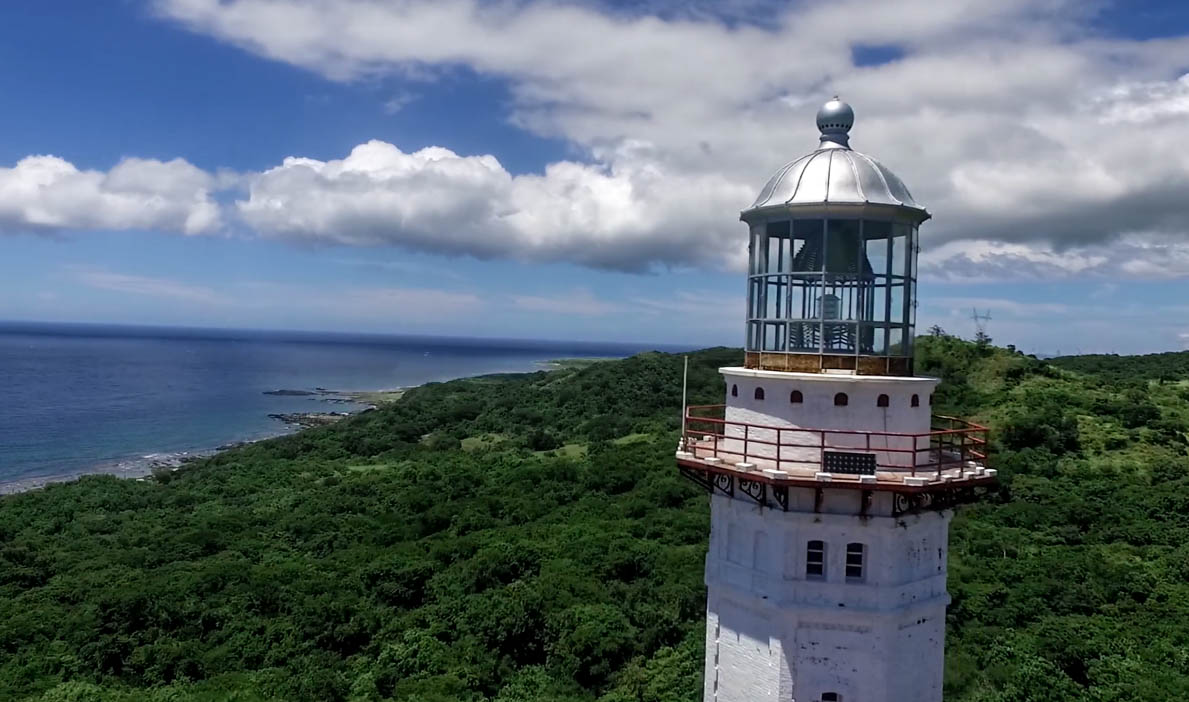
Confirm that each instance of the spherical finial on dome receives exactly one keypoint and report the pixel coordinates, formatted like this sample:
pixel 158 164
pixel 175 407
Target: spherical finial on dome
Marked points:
pixel 835 119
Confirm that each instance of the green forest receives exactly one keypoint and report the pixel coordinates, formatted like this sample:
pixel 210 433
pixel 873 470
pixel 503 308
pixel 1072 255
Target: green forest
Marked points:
pixel 527 537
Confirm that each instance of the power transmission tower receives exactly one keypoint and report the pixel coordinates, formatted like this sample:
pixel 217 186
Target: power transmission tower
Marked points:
pixel 980 325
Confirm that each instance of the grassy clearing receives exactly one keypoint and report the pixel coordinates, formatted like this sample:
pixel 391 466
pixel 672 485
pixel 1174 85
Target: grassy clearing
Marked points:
pixel 377 397
pixel 572 363
pixel 483 441
pixel 566 451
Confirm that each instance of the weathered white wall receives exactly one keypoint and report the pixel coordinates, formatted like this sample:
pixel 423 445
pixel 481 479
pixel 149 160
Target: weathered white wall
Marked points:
pixel 817 411
pixel 773 634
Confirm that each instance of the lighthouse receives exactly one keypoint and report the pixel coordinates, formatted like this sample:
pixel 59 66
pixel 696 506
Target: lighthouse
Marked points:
pixel 832 483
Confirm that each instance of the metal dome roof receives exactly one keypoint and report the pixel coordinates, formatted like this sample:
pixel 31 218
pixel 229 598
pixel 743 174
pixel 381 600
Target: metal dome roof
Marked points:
pixel 835 173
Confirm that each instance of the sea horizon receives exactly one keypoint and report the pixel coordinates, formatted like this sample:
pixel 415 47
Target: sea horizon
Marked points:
pixel 123 399
pixel 74 328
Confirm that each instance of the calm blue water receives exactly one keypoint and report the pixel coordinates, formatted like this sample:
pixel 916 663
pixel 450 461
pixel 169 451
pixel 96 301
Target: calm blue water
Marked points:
pixel 82 398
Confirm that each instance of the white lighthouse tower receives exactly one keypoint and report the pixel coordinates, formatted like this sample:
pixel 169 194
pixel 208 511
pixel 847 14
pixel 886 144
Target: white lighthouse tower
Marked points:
pixel 831 482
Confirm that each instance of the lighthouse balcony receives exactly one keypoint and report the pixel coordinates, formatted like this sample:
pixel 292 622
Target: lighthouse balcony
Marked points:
pixel 953 453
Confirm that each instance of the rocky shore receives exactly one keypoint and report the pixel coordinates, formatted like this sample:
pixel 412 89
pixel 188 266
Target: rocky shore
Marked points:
pixel 310 419
pixel 140 468
pixel 371 399
pixel 143 467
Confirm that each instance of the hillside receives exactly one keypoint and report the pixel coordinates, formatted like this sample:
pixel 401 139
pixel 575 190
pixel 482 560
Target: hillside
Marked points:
pixel 526 537
pixel 1168 366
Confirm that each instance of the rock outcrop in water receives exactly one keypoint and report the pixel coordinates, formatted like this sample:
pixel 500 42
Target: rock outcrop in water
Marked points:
pixel 310 419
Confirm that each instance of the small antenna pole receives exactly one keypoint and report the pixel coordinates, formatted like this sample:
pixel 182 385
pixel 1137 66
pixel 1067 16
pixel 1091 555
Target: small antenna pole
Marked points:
pixel 684 394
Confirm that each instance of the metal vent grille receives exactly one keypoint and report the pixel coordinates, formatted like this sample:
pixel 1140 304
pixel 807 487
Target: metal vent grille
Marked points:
pixel 848 463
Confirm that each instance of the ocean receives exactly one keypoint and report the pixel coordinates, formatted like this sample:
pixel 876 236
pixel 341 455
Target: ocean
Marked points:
pixel 90 398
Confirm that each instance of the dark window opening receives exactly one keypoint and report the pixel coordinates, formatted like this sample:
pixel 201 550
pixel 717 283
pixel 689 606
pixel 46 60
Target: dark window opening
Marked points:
pixel 831 697
pixel 841 400
pixel 854 561
pixel 916 401
pixel 759 393
pixel 882 401
pixel 734 391
pixel 795 397
pixel 815 560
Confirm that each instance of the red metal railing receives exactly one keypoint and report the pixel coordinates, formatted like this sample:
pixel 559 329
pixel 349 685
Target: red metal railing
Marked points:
pixel 951 443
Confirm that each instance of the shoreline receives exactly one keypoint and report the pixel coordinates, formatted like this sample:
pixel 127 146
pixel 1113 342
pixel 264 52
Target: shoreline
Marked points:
pixel 132 468
pixel 142 467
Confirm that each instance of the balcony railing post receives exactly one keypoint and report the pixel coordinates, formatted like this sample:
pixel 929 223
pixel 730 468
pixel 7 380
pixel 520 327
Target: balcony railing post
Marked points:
pixel 915 451
pixel 685 431
pixel 778 442
pixel 746 427
pixel 940 465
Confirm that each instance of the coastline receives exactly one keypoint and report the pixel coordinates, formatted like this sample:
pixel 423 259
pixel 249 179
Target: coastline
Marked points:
pixel 143 466
pixel 136 468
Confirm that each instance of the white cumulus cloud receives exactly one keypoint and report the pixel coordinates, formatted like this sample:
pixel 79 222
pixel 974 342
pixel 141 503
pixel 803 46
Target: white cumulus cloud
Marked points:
pixel 1043 147
pixel 1017 123
pixel 627 216
pixel 48 193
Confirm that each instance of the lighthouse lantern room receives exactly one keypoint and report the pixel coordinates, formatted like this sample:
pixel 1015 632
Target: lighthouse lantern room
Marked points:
pixel 833 261
pixel 832 483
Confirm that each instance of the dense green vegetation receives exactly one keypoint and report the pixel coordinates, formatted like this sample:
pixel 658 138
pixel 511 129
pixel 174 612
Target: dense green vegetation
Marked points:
pixel 1165 367
pixel 527 537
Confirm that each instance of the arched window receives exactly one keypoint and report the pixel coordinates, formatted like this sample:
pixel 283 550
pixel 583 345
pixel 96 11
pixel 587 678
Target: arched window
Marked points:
pixel 815 560
pixel 734 391
pixel 795 397
pixel 841 400
pixel 831 697
pixel 881 401
pixel 855 553
pixel 916 401
pixel 759 393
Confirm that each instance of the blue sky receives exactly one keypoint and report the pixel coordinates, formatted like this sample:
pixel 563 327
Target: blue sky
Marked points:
pixel 575 171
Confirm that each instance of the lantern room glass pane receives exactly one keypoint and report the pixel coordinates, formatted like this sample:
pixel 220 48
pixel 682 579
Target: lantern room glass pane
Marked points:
pixel 808 235
pixel 839 337
pixel 797 302
pixel 874 340
pixel 841 298
pixel 758 240
pixel 839 286
pixel 804 336
pixel 878 300
pixel 844 250
pixel 774 296
pixel 912 258
pixel 877 236
pixel 777 254
pixel 904 249
pixel 896 312
pixel 774 337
